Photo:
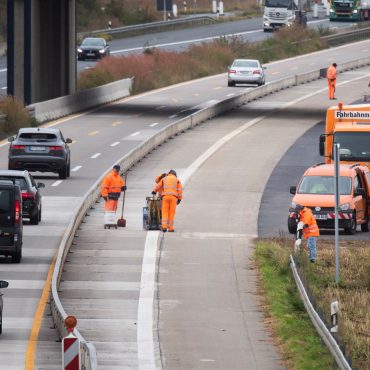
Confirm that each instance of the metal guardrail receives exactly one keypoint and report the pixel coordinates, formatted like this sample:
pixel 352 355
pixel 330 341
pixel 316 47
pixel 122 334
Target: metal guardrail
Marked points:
pixel 161 26
pixel 136 154
pixel 322 330
pixel 346 37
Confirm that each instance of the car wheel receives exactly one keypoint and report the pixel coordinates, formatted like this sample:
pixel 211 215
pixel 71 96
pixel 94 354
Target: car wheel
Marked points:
pixel 69 170
pixel 63 173
pixel 34 220
pixel 230 83
pixel 40 214
pixel 365 227
pixel 352 229
pixel 17 256
pixel 1 322
pixel 292 227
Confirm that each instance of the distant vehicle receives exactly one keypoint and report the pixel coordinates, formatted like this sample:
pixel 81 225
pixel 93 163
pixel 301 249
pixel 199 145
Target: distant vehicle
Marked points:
pixel 40 149
pixel 31 196
pixel 348 126
pixel 351 10
pixel 316 191
pixel 3 284
pixel 246 71
pixel 93 48
pixel 11 225
pixel 279 13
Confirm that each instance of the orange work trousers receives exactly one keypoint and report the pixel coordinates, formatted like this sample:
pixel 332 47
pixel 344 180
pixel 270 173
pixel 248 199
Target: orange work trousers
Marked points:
pixel 111 205
pixel 331 84
pixel 169 203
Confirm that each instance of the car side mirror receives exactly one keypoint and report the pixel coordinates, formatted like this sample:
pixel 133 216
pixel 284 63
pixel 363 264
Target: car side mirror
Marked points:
pixel 10 139
pixel 360 192
pixel 322 144
pixel 293 190
pixel 69 141
pixel 3 284
pixel 40 185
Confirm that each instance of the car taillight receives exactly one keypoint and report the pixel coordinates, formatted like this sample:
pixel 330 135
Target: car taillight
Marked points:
pixel 232 71
pixel 256 72
pixel 27 195
pixel 18 147
pixel 56 147
pixel 17 211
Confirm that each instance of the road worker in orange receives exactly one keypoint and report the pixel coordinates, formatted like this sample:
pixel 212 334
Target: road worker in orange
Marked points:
pixel 308 227
pixel 111 188
pixel 170 188
pixel 331 75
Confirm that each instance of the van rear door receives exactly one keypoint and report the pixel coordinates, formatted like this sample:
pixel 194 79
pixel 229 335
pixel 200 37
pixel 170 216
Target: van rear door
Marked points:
pixel 7 211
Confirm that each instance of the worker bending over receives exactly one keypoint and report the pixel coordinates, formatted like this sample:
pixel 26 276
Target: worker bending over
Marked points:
pixel 170 188
pixel 331 75
pixel 111 188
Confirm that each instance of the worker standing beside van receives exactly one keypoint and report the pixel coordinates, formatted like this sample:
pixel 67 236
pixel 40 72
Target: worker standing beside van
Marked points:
pixel 308 227
pixel 170 188
pixel 331 75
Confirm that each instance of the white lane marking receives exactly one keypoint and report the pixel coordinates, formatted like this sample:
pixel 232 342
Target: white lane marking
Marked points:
pixel 174 116
pixel 76 168
pixel 96 155
pixel 160 107
pixel 3 70
pixel 135 133
pixel 4 88
pixel 154 124
pixel 115 143
pixel 56 183
pixel 232 94
pixel 145 316
pixel 145 343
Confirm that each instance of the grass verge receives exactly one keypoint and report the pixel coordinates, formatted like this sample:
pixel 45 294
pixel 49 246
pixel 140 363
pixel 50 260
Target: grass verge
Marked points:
pixel 299 343
pixel 300 346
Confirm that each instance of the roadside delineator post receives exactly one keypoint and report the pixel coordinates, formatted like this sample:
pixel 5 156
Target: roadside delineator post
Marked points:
pixel 334 308
pixel 71 346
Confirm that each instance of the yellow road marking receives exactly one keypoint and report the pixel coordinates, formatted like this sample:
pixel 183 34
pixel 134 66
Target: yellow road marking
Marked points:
pixel 32 341
pixel 114 124
pixel 93 133
pixel 275 73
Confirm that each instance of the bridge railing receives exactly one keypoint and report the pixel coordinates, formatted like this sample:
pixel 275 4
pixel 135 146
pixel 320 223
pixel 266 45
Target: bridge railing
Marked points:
pixel 136 154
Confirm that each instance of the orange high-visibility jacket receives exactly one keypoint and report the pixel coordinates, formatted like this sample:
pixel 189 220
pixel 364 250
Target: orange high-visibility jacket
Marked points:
pixel 112 183
pixel 159 178
pixel 306 216
pixel 170 185
pixel 331 73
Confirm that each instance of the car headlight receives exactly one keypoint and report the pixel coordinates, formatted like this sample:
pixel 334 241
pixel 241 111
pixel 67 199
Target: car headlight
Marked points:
pixel 331 10
pixel 355 11
pixel 345 207
pixel 101 51
pixel 79 50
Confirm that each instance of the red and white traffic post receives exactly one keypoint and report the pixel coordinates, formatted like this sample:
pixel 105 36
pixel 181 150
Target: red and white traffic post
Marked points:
pixel 71 346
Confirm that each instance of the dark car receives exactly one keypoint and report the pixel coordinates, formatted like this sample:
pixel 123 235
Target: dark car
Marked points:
pixel 31 196
pixel 40 149
pixel 3 284
pixel 11 225
pixel 93 48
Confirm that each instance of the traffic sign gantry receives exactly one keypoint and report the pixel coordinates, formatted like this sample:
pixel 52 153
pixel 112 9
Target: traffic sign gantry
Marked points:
pixel 71 346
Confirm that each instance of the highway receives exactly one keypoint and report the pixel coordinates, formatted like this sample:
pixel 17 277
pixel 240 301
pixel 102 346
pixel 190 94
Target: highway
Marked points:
pixel 103 136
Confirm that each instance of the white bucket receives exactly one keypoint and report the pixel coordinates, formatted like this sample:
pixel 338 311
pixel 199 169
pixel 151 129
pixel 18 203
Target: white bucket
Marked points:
pixel 110 218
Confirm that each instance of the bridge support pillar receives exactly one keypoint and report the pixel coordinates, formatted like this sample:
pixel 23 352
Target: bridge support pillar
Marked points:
pixel 41 49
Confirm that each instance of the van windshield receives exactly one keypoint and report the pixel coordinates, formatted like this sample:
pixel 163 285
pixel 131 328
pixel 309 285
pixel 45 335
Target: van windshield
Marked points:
pixel 324 185
pixel 5 196
pixel 289 4
pixel 354 146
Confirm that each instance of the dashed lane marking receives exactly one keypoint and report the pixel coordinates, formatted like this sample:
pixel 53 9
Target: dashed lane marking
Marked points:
pixel 76 168
pixel 232 94
pixel 114 124
pixel 115 143
pixel 56 183
pixel 96 155
pixel 93 133
pixel 154 124
pixel 135 133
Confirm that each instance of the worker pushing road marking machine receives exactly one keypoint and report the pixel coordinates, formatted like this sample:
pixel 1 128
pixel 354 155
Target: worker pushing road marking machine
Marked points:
pixel 152 213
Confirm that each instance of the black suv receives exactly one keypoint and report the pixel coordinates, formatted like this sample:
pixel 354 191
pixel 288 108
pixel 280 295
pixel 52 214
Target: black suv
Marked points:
pixel 40 149
pixel 31 196
pixel 3 284
pixel 11 225
pixel 93 48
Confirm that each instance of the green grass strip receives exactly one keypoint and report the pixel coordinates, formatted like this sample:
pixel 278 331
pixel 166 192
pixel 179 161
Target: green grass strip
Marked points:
pixel 301 346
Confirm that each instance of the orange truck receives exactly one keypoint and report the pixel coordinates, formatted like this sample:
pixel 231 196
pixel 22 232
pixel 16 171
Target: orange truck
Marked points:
pixel 348 125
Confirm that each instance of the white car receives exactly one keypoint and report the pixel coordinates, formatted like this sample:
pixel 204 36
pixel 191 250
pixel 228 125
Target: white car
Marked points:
pixel 246 71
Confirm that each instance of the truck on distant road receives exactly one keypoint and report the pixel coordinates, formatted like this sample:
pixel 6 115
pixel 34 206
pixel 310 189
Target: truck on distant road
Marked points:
pixel 351 10
pixel 278 13
pixel 349 126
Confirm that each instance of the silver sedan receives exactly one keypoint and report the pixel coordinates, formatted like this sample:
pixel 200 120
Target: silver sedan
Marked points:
pixel 246 71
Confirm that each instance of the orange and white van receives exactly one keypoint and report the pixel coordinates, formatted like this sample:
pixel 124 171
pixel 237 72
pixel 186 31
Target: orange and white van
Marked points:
pixel 316 191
